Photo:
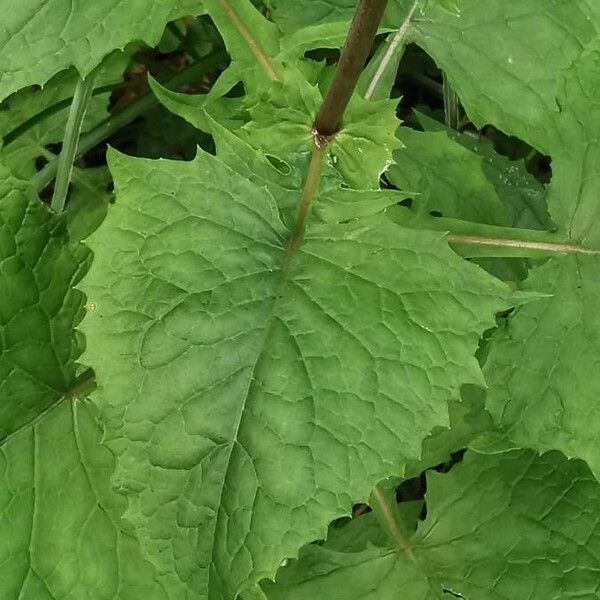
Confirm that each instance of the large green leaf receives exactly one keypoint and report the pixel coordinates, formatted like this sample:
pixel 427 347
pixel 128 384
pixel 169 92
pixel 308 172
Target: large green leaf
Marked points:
pixel 39 307
pixel 39 38
pixel 60 523
pixel 252 394
pixel 62 533
pixel 539 366
pixel 540 392
pixel 498 527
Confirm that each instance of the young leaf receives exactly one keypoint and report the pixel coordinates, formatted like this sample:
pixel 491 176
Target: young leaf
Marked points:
pixel 513 525
pixel 252 391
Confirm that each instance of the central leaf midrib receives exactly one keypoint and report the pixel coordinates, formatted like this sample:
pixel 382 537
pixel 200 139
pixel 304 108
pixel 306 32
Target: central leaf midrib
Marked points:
pixel 289 251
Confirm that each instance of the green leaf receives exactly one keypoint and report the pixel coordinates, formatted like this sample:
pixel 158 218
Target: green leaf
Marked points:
pixel 468 420
pixel 293 15
pixel 250 394
pixel 281 125
pixel 252 42
pixel 541 393
pixel 514 525
pixel 61 523
pixel 495 81
pixel 449 178
pixel 38 306
pixel 62 535
pixel 460 177
pixel 522 195
pixel 42 37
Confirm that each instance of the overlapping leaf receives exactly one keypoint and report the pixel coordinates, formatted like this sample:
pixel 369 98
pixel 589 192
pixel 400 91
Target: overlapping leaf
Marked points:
pixel 60 521
pixel 251 395
pixel 513 525
pixel 540 393
pixel 42 37
pixel 38 306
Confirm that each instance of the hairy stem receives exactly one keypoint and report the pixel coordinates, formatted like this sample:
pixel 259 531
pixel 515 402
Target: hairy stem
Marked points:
pixel 131 112
pixel 81 98
pixel 397 40
pixel 388 517
pixel 354 55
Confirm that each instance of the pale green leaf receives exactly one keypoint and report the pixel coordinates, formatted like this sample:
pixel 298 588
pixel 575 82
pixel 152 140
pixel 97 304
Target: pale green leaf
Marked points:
pixel 500 527
pixel 522 195
pixel 251 400
pixel 449 179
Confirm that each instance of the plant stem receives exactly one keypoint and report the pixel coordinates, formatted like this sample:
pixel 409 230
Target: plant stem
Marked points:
pixel 261 56
pixel 83 385
pixel 354 55
pixel 390 52
pixel 115 122
pixel 311 185
pixel 451 105
pixel 559 248
pixel 24 127
pixel 187 47
pixel 386 511
pixel 81 98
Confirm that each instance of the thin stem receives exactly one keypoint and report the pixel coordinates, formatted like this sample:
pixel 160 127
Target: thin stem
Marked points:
pixel 520 244
pixel 25 126
pixel 311 185
pixel 389 519
pixel 131 112
pixel 354 55
pixel 84 385
pixel 189 48
pixel 81 98
pixel 260 55
pixel 390 52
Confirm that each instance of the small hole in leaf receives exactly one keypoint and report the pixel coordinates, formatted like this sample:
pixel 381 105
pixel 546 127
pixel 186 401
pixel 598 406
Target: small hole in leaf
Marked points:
pixel 279 164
